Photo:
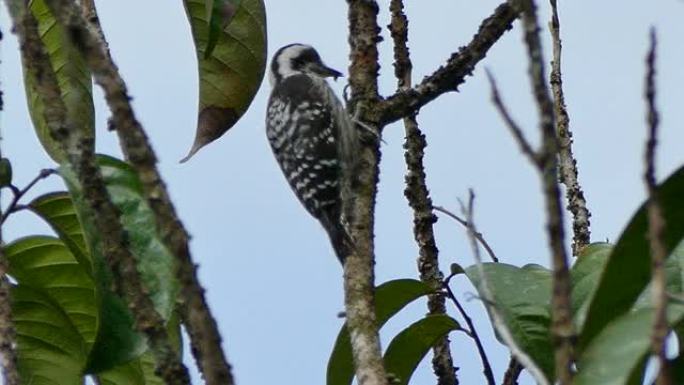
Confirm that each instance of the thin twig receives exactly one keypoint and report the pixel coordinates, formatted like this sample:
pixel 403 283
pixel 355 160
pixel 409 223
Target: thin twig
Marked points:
pixel 199 322
pixel 81 156
pixel 18 194
pixel 567 164
pixel 513 127
pixel 480 238
pixel 472 332
pixel 490 302
pixel 418 196
pixel 8 335
pixel 656 222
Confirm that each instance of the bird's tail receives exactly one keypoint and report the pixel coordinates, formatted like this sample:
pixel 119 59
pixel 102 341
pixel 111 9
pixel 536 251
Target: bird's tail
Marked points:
pixel 340 238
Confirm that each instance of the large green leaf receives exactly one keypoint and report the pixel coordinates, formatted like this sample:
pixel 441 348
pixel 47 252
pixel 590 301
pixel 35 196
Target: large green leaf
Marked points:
pixel 50 349
pixel 229 77
pixel 54 311
pixel 45 263
pixel 117 342
pixel 522 297
pixel 410 346
pixel 390 297
pixel 628 269
pixel 615 356
pixel 73 78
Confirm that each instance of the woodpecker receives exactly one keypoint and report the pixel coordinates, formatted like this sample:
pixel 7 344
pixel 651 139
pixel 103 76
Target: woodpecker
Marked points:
pixel 312 137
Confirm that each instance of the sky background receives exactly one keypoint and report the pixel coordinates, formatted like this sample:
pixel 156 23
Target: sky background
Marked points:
pixel 272 280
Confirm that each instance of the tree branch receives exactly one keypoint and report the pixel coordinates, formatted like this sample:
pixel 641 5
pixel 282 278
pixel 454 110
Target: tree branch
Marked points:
pixel 8 335
pixel 562 327
pixel 359 276
pixel 512 373
pixel 80 153
pixel 197 318
pixel 418 196
pixel 656 222
pixel 569 173
pixel 546 162
pixel 453 73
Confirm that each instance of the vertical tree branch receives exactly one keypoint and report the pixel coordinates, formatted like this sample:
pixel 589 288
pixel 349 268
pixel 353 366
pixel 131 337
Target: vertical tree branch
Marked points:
pixel 81 156
pixel 418 196
pixel 577 204
pixel 562 327
pixel 358 268
pixel 656 222
pixel 8 353
pixel 199 322
pixel 546 161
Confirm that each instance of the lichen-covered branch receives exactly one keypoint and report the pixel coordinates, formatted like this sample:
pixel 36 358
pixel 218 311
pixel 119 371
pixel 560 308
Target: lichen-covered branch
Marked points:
pixel 81 156
pixel 656 223
pixel 567 164
pixel 359 277
pixel 418 196
pixel 453 73
pixel 197 318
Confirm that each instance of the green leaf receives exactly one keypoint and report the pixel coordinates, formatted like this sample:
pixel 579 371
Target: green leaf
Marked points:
pixel 46 264
pixel 59 212
pixel 390 298
pixel 5 172
pixel 616 354
pixel 50 349
pixel 629 265
pixel 117 341
pixel 410 346
pixel 230 77
pixel 522 296
pixel 585 275
pixel 73 79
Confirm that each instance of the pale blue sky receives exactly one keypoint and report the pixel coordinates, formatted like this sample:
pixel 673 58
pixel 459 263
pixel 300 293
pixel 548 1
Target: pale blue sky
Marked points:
pixel 271 278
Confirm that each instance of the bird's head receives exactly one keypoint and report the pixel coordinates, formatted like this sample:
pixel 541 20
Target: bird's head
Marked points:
pixel 295 59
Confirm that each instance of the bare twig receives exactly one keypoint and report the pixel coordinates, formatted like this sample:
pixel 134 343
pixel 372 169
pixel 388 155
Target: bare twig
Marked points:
pixel 656 222
pixel 197 318
pixel 490 302
pixel 18 194
pixel 418 196
pixel 8 337
pixel 359 275
pixel 567 163
pixel 453 73
pixel 80 153
pixel 513 127
pixel 480 238
pixel 472 332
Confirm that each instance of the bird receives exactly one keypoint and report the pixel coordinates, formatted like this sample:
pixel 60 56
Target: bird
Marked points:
pixel 313 138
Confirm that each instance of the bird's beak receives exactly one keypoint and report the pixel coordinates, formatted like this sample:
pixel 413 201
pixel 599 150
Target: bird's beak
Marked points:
pixel 325 71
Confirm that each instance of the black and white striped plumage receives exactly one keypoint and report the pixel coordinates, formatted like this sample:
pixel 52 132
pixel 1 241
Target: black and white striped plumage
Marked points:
pixel 311 136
